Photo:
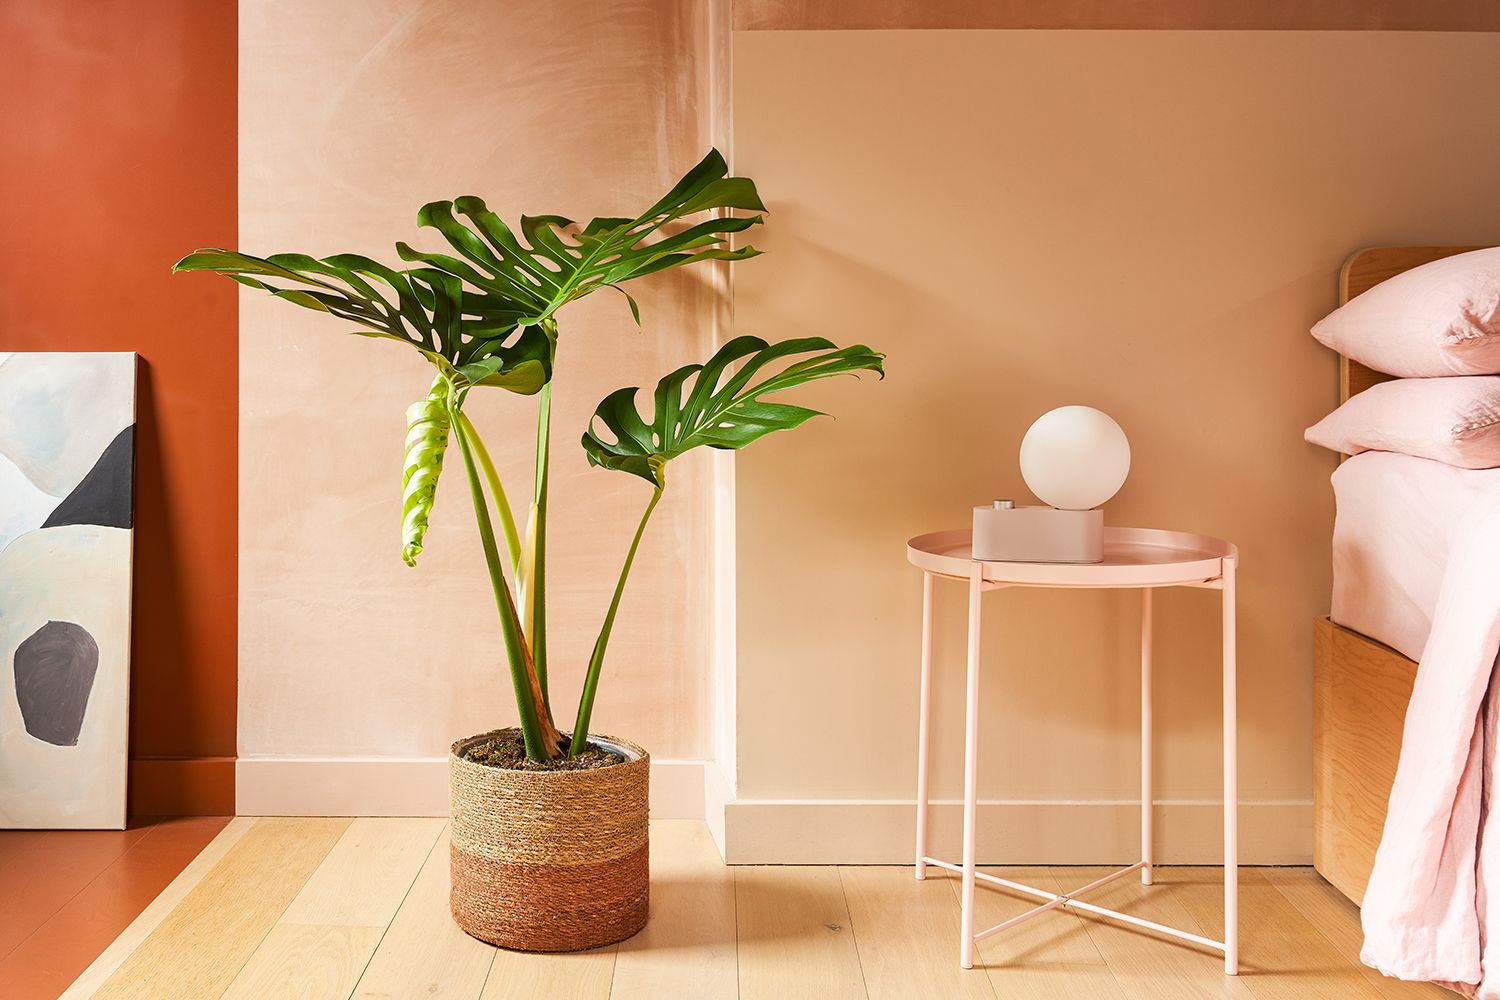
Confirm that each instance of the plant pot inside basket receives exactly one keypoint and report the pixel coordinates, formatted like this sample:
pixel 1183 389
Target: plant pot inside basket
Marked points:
pixel 550 860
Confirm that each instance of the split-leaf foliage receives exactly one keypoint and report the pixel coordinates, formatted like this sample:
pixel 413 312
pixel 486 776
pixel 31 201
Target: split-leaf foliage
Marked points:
pixel 484 315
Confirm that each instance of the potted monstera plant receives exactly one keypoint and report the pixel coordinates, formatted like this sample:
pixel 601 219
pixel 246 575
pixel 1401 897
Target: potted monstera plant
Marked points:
pixel 549 831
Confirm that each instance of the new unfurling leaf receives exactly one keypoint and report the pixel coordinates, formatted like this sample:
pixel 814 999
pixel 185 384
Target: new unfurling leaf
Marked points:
pixel 427 425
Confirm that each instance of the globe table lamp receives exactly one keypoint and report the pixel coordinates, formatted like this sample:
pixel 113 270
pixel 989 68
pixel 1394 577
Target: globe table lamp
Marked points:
pixel 1074 458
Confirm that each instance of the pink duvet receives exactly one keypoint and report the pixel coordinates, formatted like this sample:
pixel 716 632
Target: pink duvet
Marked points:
pixel 1432 908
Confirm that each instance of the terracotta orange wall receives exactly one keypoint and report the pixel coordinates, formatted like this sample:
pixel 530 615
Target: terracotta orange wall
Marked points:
pixel 119 156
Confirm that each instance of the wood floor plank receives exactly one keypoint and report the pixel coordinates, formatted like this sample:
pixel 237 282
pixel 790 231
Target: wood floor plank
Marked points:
pixel 1148 966
pixel 423 953
pixel 1282 955
pixel 687 948
pixel 794 935
pixel 320 946
pixel 319 909
pixel 99 971
pixel 367 874
pixel 306 962
pixel 907 935
pixel 1337 919
pixel 579 975
pixel 201 945
pixel 1050 955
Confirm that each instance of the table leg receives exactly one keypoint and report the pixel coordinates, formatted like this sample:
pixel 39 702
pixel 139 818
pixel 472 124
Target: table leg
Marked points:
pixel 971 762
pixel 1148 798
pixel 922 714
pixel 1231 783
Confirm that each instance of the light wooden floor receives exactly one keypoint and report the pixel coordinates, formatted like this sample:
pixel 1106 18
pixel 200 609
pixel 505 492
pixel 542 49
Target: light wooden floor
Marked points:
pixel 338 908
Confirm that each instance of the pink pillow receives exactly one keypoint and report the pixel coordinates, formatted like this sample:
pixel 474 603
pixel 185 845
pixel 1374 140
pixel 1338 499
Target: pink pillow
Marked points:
pixel 1450 420
pixel 1442 318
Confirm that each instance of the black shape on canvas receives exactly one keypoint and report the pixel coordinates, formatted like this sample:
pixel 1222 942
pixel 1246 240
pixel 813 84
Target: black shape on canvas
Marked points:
pixel 55 668
pixel 106 494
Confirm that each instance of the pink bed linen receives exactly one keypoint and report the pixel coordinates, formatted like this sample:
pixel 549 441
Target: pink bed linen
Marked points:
pixel 1442 318
pixel 1432 908
pixel 1397 521
pixel 1455 421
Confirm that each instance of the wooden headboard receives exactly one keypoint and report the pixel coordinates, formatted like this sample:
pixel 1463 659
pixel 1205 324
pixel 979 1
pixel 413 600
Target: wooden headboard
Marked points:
pixel 1362 271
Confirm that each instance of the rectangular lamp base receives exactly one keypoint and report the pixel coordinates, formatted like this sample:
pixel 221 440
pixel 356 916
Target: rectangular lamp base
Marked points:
pixel 1038 534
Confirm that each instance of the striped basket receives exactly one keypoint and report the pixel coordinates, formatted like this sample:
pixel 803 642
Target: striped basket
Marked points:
pixel 550 860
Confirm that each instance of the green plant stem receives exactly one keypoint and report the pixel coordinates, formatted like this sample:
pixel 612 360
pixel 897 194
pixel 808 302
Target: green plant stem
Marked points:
pixel 538 582
pixel 510 625
pixel 596 661
pixel 502 505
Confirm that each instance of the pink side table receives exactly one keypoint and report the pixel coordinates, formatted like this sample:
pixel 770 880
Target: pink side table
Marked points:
pixel 1138 558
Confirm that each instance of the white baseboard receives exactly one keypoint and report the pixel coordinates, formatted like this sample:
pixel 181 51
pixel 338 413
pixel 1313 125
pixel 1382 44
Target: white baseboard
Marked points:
pixel 717 794
pixel 876 832
pixel 411 786
pixel 827 831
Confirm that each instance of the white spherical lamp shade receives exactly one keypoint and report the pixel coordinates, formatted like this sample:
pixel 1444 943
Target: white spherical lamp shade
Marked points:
pixel 1075 458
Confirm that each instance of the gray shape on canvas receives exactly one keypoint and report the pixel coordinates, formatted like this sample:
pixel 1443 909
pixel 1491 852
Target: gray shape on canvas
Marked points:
pixel 58 412
pixel 54 673
pixel 106 496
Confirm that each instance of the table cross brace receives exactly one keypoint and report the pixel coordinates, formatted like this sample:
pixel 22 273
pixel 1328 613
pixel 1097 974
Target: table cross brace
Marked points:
pixel 1070 900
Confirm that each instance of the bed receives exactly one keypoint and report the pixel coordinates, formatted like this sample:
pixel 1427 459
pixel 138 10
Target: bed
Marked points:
pixel 1396 515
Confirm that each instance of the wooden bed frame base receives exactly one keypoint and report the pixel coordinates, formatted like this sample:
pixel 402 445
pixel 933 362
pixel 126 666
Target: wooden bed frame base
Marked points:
pixel 1360 691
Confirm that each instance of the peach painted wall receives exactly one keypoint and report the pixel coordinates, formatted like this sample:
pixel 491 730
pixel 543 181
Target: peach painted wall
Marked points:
pixel 1146 222
pixel 1261 15
pixel 349 123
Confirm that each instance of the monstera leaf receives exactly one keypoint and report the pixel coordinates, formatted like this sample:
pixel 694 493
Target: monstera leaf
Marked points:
pixel 472 338
pixel 551 268
pixel 712 404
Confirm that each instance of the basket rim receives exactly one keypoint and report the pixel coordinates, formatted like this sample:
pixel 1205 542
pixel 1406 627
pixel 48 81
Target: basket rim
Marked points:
pixel 638 756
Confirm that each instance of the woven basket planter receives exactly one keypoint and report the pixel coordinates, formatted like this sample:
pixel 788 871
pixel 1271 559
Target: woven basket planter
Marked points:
pixel 550 860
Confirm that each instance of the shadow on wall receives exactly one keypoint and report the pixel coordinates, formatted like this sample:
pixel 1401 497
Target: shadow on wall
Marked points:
pixel 160 651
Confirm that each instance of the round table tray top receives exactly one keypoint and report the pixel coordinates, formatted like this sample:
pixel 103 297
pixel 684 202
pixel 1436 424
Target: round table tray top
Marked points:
pixel 1133 557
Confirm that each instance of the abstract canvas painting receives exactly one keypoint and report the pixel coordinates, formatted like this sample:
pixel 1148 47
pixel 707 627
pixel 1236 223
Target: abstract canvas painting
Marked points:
pixel 67 505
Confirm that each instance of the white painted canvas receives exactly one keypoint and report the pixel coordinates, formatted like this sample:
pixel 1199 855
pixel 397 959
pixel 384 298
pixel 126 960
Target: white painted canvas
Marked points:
pixel 67 511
